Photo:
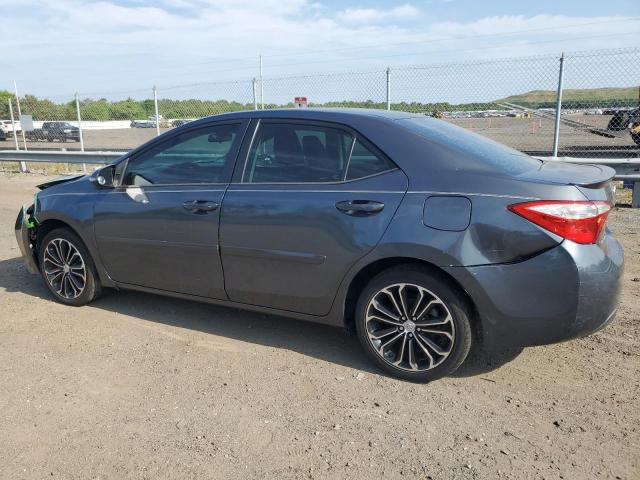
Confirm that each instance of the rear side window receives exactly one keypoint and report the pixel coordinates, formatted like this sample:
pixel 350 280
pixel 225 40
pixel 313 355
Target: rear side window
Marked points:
pixel 201 156
pixel 291 153
pixel 300 153
pixel 480 151
pixel 365 162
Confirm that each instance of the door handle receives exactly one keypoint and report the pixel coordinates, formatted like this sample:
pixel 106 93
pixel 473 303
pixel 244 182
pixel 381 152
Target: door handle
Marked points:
pixel 200 206
pixel 359 208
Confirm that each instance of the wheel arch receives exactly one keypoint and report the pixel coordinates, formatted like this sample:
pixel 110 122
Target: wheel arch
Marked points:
pixel 360 280
pixel 51 224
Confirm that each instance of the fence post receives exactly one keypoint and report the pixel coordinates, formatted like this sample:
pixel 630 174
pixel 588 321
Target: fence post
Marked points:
pixel 261 85
pixel 155 106
pixel 23 165
pixel 84 165
pixel 15 87
pixel 255 93
pixel 556 127
pixel 388 88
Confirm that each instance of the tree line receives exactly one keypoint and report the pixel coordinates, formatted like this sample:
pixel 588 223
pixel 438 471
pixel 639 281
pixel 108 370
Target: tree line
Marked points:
pixel 132 109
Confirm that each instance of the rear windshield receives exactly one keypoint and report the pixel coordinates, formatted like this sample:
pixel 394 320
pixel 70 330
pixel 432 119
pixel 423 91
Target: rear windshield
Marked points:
pixel 491 154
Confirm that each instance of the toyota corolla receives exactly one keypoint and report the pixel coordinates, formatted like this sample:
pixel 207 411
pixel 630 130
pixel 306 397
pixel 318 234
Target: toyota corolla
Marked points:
pixel 420 236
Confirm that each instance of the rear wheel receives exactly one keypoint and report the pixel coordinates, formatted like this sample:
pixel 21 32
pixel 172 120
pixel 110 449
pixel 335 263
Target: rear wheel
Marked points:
pixel 414 324
pixel 67 268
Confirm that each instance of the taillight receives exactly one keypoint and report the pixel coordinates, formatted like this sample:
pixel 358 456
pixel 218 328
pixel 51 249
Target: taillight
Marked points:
pixel 580 222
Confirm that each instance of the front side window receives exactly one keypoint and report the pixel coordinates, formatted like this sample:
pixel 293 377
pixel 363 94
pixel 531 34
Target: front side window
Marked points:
pixel 201 156
pixel 291 153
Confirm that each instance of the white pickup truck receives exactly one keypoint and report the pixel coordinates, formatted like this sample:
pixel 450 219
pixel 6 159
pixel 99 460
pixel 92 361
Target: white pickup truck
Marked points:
pixel 7 127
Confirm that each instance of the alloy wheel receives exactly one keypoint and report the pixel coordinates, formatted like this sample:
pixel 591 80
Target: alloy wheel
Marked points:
pixel 410 327
pixel 64 268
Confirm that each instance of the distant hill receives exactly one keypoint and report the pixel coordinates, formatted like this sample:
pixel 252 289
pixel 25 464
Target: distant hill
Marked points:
pixel 583 96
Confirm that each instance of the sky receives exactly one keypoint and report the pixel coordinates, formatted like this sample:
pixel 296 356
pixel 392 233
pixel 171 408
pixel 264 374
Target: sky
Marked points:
pixel 118 47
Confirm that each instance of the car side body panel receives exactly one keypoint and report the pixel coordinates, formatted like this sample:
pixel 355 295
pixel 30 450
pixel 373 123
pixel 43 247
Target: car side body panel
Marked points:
pixel 288 246
pixel 73 203
pixel 528 285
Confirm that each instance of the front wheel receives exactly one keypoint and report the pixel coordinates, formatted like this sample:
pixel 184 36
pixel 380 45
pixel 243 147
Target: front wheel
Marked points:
pixel 414 324
pixel 67 268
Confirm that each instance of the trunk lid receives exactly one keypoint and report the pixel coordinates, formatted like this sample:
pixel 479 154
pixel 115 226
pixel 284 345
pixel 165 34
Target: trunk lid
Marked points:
pixel 563 173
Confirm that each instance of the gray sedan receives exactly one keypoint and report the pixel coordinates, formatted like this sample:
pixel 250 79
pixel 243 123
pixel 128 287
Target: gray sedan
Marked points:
pixel 420 236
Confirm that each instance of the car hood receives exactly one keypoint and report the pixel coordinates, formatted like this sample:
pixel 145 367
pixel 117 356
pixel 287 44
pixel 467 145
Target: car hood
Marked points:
pixel 58 181
pixel 563 173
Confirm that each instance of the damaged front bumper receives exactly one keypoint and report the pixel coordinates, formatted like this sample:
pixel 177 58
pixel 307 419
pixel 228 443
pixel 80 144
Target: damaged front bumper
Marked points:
pixel 24 228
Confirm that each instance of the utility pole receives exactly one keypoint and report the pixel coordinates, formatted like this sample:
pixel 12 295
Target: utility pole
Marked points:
pixel 155 106
pixel 388 88
pixel 24 140
pixel 556 129
pixel 261 84
pixel 84 165
pixel 255 93
pixel 23 165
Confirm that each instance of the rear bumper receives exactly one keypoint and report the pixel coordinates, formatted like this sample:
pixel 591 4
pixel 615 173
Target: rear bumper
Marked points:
pixel 24 242
pixel 567 292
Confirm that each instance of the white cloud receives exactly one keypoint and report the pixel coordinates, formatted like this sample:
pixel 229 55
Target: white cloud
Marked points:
pixel 112 46
pixel 369 15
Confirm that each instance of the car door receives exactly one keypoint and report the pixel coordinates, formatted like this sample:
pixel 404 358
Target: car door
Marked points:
pixel 159 229
pixel 311 199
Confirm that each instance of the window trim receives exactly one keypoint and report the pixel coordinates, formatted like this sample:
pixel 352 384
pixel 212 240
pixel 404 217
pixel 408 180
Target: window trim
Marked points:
pixel 238 178
pixel 243 123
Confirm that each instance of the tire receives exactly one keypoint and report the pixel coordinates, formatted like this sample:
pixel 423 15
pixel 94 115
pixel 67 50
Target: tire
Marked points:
pixel 617 122
pixel 62 268
pixel 445 324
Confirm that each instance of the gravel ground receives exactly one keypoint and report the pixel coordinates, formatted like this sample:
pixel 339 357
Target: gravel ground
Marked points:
pixel 140 386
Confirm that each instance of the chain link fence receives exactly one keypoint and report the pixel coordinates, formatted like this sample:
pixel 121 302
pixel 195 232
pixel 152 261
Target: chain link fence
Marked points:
pixel 512 101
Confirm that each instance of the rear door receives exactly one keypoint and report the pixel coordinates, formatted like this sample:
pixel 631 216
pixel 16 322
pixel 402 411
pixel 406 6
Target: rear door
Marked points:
pixel 160 228
pixel 311 199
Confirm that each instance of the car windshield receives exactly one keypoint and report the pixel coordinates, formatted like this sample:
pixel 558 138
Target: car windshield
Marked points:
pixel 492 154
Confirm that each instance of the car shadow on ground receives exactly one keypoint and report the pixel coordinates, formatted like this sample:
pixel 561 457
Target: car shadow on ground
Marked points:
pixel 315 340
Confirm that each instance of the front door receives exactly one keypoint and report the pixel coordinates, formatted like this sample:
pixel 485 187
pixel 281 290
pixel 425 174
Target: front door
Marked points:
pixel 159 229
pixel 312 199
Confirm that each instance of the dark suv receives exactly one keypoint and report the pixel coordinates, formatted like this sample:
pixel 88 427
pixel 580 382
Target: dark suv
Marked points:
pixel 51 131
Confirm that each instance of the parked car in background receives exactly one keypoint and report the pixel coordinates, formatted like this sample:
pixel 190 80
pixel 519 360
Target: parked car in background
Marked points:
pixel 3 135
pixel 180 122
pixel 143 124
pixel 419 235
pixel 6 126
pixel 51 131
pixel 150 122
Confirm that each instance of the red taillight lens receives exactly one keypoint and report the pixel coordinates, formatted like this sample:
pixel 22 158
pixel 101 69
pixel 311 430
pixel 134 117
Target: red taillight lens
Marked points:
pixel 580 222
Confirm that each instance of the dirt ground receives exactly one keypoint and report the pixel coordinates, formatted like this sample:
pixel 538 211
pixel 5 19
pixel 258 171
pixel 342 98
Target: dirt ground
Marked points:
pixel 528 134
pixel 140 386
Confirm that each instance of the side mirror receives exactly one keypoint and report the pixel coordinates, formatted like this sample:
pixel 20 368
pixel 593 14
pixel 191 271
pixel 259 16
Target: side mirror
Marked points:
pixel 104 177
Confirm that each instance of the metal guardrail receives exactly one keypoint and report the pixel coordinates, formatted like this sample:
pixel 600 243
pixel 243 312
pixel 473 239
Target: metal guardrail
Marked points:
pixel 626 168
pixel 39 156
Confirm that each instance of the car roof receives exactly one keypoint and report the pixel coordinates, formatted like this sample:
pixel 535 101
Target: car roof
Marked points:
pixel 325 114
